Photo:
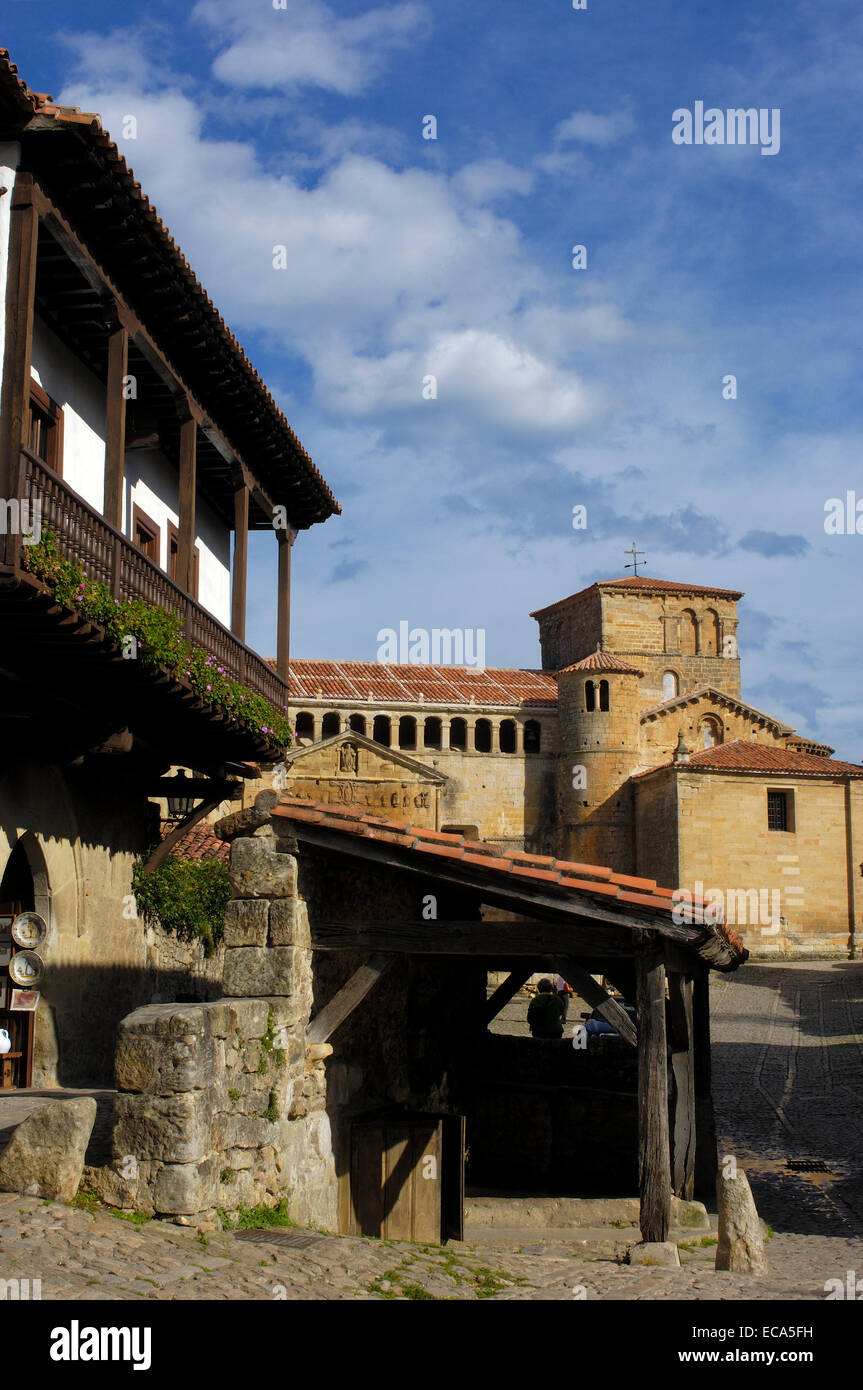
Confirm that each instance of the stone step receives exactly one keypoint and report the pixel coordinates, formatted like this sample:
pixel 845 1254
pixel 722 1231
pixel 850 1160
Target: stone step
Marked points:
pixel 567 1214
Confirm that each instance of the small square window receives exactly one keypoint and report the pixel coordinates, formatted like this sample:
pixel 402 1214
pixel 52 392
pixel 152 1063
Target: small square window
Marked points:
pixel 778 811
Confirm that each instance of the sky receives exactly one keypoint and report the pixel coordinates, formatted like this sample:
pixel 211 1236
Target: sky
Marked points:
pixel 407 258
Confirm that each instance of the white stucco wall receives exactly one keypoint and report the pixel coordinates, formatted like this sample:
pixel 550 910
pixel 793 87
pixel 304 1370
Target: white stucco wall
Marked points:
pixel 152 483
pixel 150 480
pixel 82 396
pixel 10 153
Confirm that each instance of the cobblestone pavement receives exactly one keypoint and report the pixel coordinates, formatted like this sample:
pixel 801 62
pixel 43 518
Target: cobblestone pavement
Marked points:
pixel 788 1080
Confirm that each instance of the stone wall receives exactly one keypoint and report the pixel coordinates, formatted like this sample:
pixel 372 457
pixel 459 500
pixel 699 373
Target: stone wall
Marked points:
pixel 221 1104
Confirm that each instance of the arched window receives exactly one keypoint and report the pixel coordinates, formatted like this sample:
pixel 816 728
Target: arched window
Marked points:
pixel 407 731
pixel 507 736
pixel 305 725
pixel 589 696
pixel 688 632
pixel 710 643
pixel 603 695
pixel 532 736
pixel 381 732
pixel 432 732
pixel 482 736
pixel 670 685
pixel 357 723
pixel 709 732
pixel 331 725
pixel 458 734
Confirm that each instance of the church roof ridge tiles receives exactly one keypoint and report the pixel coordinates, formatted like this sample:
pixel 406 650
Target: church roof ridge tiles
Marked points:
pixel 601 661
pixel 643 583
pixel 392 682
pixel 744 755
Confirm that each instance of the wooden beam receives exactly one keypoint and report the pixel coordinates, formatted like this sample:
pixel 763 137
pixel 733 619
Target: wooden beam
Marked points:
pixel 598 998
pixel 161 852
pixel 283 641
pixel 241 562
pixel 18 351
pixel 683 1071
pixel 504 993
pixel 654 1167
pixel 466 938
pixel 188 488
pixel 115 426
pixel 342 1004
pixel 706 1158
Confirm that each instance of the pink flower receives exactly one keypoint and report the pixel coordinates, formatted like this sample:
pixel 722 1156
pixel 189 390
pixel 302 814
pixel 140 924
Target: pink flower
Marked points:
pixel 209 687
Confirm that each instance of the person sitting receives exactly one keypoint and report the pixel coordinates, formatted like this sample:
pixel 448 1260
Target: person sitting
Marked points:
pixel 545 1012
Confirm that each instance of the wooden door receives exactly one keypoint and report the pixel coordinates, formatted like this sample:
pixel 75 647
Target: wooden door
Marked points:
pixel 407 1177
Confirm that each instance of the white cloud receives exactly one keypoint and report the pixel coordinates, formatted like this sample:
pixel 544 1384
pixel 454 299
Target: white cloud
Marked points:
pixel 306 44
pixel 486 179
pixel 590 128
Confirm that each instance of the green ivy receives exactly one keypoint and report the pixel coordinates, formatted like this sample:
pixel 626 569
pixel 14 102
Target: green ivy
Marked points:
pixel 186 896
pixel 160 639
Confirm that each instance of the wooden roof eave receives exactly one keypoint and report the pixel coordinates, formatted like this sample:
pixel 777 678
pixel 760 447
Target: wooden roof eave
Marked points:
pixel 603 927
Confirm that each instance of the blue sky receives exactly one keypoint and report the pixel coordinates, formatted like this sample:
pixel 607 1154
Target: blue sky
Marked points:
pixel 407 257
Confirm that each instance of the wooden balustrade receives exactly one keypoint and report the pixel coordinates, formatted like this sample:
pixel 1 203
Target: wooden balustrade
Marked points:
pixel 105 554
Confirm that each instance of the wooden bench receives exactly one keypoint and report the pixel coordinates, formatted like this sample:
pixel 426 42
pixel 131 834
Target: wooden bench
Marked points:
pixel 7 1070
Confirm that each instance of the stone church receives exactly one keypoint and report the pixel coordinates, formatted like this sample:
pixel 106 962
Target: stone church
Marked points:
pixel 631 747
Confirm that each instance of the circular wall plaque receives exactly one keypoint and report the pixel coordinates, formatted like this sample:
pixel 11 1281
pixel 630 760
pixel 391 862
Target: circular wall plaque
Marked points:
pixel 29 929
pixel 26 969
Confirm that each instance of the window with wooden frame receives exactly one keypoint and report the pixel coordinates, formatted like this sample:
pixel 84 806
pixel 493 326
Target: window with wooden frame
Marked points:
pixel 145 534
pixel 173 557
pixel 45 433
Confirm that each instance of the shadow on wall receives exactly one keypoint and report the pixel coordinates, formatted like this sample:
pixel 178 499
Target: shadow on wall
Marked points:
pixel 81 1008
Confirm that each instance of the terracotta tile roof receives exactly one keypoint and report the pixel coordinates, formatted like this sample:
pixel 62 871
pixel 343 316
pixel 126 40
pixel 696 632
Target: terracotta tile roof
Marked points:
pixel 537 870
pixel 124 210
pixel 602 661
pixel 742 755
pixel 392 683
pixel 198 843
pixel 657 586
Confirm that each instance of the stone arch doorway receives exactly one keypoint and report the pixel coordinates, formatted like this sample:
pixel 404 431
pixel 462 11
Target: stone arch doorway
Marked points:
pixel 21 890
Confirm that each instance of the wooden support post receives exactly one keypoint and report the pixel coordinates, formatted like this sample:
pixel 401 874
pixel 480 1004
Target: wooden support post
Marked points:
pixel 654 1167
pixel 683 1071
pixel 502 995
pixel 706 1159
pixel 348 997
pixel 598 998
pixel 15 403
pixel 188 483
pixel 115 426
pixel 241 561
pixel 283 642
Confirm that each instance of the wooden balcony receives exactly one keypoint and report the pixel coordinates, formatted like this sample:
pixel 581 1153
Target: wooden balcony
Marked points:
pixel 105 554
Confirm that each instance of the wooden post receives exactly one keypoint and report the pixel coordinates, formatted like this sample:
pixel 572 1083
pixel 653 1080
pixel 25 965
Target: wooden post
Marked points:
pixel 283 643
pixel 706 1159
pixel 186 536
pixel 654 1167
pixel 683 1070
pixel 115 426
pixel 241 561
pixel 20 298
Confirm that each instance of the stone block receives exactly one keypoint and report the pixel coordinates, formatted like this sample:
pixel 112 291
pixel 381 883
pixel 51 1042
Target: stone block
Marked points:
pixel 164 1062
pixel 111 1185
pixel 174 1128
pixel 257 871
pixel 740 1247
pixel 186 1187
pixel 662 1254
pixel 252 971
pixel 45 1156
pixel 246 922
pixel 289 923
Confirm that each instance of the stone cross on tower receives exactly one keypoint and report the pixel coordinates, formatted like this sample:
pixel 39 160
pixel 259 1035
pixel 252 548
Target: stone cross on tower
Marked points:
pixel 635 560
